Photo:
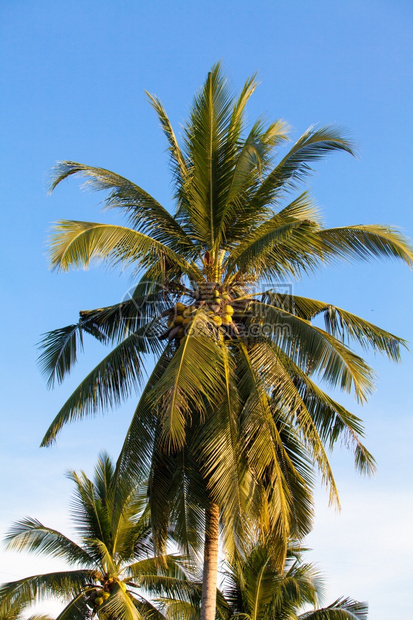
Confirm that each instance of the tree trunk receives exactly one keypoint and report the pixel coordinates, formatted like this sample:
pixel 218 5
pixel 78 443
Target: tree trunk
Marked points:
pixel 210 574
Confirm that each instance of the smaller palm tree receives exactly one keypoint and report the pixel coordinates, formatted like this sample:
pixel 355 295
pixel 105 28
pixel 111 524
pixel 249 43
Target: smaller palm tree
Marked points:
pixel 114 564
pixel 255 590
pixel 17 611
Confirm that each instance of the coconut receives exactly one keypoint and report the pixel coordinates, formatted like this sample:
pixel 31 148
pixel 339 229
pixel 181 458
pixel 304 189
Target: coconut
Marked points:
pixel 226 319
pixel 186 321
pixel 217 320
pixel 99 600
pixel 229 310
pixel 179 308
pixel 178 319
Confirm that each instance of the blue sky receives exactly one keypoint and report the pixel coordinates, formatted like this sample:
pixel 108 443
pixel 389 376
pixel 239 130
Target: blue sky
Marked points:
pixel 73 77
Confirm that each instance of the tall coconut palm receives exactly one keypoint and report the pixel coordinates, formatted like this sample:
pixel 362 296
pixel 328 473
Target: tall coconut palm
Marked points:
pixel 234 409
pixel 114 563
pixel 256 590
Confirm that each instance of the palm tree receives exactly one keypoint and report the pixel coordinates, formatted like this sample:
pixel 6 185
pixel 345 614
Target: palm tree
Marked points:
pixel 233 412
pixel 114 562
pixel 256 590
pixel 16 612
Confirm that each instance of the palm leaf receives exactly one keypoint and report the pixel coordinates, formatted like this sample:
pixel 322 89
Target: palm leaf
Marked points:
pixel 75 244
pixel 32 536
pixel 315 350
pixel 331 419
pixel 110 382
pixel 66 583
pixel 314 144
pixel 365 242
pixel 341 609
pixel 274 455
pixel 59 354
pixel 179 165
pixel 134 460
pixel 192 377
pixel 340 323
pixel 143 211
pixel 217 446
pixel 77 609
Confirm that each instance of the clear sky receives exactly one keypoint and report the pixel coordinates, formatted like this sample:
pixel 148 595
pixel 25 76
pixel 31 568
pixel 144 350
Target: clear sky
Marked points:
pixel 73 76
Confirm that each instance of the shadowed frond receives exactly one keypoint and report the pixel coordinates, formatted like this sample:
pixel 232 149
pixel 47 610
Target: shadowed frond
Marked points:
pixel 29 589
pixel 59 352
pixel 113 380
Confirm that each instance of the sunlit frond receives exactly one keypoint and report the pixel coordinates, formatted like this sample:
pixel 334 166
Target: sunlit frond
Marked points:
pixel 143 211
pixel 341 609
pixel 32 536
pixel 365 242
pixel 76 244
pixel 315 350
pixel 184 386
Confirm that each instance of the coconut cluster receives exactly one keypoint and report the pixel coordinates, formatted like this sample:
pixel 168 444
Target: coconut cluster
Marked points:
pixel 100 595
pixel 216 303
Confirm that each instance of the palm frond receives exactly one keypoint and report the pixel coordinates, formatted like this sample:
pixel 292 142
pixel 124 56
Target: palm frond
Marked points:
pixel 143 211
pixel 341 609
pixel 365 242
pixel 36 587
pixel 192 377
pixel 314 144
pixel 282 499
pixel 315 350
pixel 109 383
pixel 75 244
pixel 122 605
pixel 204 148
pixel 60 348
pixel 332 420
pixel 179 165
pixel 32 536
pixel 340 323
pixel 217 446
pixel 246 165
pixel 134 460
pixel 77 609
pixel 187 496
